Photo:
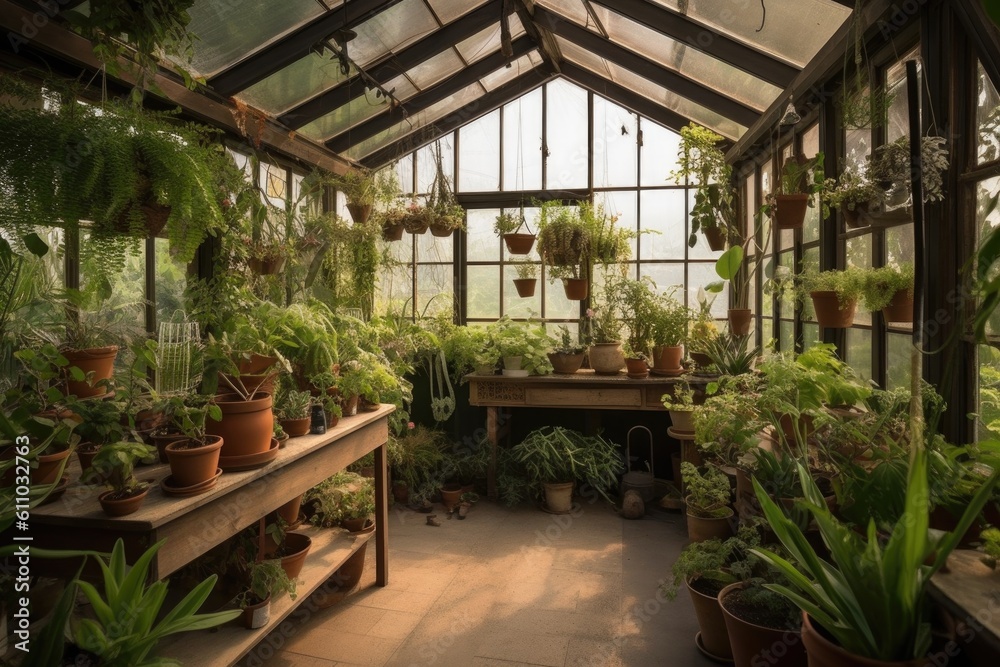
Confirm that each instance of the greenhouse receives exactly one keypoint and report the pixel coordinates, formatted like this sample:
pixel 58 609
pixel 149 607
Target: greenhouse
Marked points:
pixel 500 332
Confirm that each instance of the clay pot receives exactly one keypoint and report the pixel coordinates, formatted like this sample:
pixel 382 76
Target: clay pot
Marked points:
pixel 566 363
pixel 450 495
pixel 47 471
pixel 349 574
pixel 257 615
pixel 791 428
pixel 790 210
pixel 289 512
pixel 246 426
pixel 97 363
pixel 668 357
pixel 519 244
pixel 576 288
pixel 359 212
pixel 606 358
pixel 255 383
pixel 740 320
pixel 161 441
pixel 701 528
pixel 121 506
pixel 86 451
pixel 716 238
pixel 637 368
pixel 441 231
pixel 824 653
pixel 702 359
pixel 350 408
pixel 829 314
pixel 682 421
pixel 714 635
pixel 192 465
pixel 296 428
pixel 749 641
pixel 392 232
pixel 256 364
pixel 525 287
pixel 559 497
pixel 853 219
pixel 297 546
pixel 357 525
pixel 900 309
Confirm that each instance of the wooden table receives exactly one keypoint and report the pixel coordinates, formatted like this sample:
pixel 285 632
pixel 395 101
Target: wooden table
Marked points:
pixel 581 390
pixel 970 592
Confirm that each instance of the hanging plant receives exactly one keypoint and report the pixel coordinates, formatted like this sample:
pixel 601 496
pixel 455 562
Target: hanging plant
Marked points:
pixel 861 105
pixel 889 166
pixel 447 214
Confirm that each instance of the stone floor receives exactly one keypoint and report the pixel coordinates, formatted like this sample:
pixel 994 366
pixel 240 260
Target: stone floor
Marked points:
pixel 508 587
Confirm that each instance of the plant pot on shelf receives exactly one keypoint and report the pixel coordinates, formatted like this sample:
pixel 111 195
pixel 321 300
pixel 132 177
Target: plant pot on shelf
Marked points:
pixel 296 428
pixel 255 383
pixel 855 219
pixel 713 639
pixel 637 369
pixel 576 288
pixel 349 574
pixel 790 210
pixel 257 615
pixel 566 363
pixel 246 426
pixel 606 358
pixel 682 421
pixel 559 497
pixel 296 549
pixel 289 512
pixel 160 441
pixel 829 313
pixel 519 244
pixel 193 463
pixel 359 212
pixel 822 652
pixel 740 320
pixel 749 640
pixel 705 528
pixel 450 495
pixel 86 451
pixel 900 309
pixel 47 471
pixel 525 287
pixel 359 525
pixel 702 359
pixel 668 357
pixel 256 364
pixel 350 408
pixel 393 232
pixel 96 363
pixel 121 506
pixel 716 238
pixel 512 367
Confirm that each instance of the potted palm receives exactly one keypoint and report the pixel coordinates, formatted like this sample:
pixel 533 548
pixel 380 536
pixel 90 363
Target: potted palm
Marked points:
pixel 555 459
pixel 702 163
pixel 527 278
pixel 567 357
pixel 118 461
pixel 889 289
pixel 708 495
pixel 509 225
pixel 834 295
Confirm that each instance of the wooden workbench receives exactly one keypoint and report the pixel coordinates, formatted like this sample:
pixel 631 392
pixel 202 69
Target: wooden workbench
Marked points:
pixel 970 592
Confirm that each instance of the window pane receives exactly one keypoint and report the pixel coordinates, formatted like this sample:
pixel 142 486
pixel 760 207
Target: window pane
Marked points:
pixel 810 228
pixel 859 351
pixel 988 119
pixel 557 306
pixel 171 280
pixel 989 392
pixel 810 261
pixel 622 205
pixel 396 289
pixel 432 248
pixel 566 135
pixel 897 373
pixel 663 213
pixel 786 336
pixel 482 244
pixel 899 109
pixel 427 168
pixel 483 292
pixel 522 142
pixel 479 155
pixel 657 153
pixel 988 218
pixel 435 292
pixel 664 275
pixel 513 304
pixel 766 331
pixel 700 275
pixel 858 147
pixel 615 151
pixel 810 335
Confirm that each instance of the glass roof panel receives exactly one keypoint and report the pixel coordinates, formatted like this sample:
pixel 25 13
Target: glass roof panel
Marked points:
pixel 391 30
pixel 229 31
pixel 355 112
pixel 435 69
pixel 487 41
pixel 300 81
pixel 571 9
pixel 494 80
pixel 794 30
pixel 449 10
pixel 692 63
pixel 582 56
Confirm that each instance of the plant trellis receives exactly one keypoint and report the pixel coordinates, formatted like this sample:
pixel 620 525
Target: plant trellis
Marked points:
pixel 177 342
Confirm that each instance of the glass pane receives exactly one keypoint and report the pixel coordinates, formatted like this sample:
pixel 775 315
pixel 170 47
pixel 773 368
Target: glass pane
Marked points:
pixel 395 288
pixel 663 213
pixel 404 171
pixel 786 303
pixel 858 147
pixel 810 335
pixel 432 248
pixel 566 135
pixel 434 69
pixel 767 300
pixel 294 84
pixel 899 244
pixel 513 304
pixel 859 351
pixel 786 336
pixel 435 292
pixel 988 218
pixel 479 155
pixel 624 207
pixel 427 163
pixel 899 110
pixel 811 226
pixel 700 275
pixel 171 280
pixel 571 9
pixel 897 372
pixel 355 112
pixel 810 261
pixel 989 393
pixel 487 41
pixel 482 297
pixel 557 306
pixel 522 142
pixel 482 245
pixel 664 275
pixel 615 150
pixel 391 30
pixel 449 10
pixel 503 75
pixel 987 119
pixel 657 154
pixel 766 331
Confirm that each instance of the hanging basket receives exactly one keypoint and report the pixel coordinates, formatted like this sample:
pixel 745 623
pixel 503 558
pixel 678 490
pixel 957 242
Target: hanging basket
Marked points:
pixel 519 244
pixel 576 288
pixel 716 238
pixel 525 287
pixel 829 313
pixel 417 222
pixel 359 212
pixel 855 219
pixel 790 210
pixel 442 230
pixel 393 232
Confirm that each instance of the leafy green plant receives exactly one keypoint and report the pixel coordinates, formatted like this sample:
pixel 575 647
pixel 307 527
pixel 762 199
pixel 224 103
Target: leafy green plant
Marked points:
pixel 703 328
pixel 125 631
pixel 991 546
pixel 265 579
pixel 566 345
pixel 564 240
pixel 716 562
pixel 880 285
pixel 703 164
pixel 801 175
pixel 779 475
pixel 509 222
pixel 601 326
pixel 553 455
pixel 732 355
pixel 292 404
pixel 848 283
pixel 708 493
pixel 339 498
pixel 521 339
pixel 117 462
pixel 681 399
pixel 609 244
pixel 889 166
pixel 526 270
pixel 469 349
pixel 188 413
pixel 852 190
pixel 727 425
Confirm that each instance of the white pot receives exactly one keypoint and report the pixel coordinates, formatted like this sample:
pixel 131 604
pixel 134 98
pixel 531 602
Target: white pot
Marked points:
pixel 512 363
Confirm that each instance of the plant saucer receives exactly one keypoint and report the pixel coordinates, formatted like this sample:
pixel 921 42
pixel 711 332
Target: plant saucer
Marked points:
pixel 59 489
pixel 704 652
pixel 170 489
pixel 249 461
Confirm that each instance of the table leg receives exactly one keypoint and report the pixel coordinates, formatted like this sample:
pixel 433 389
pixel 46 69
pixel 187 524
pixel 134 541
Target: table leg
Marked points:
pixel 381 517
pixel 493 435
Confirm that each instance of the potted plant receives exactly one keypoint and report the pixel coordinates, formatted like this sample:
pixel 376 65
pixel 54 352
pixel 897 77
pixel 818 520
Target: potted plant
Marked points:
pixel 508 225
pixel 522 346
pixel 416 457
pixel 247 422
pixel 801 179
pixel 636 305
pixel 292 410
pixel 680 402
pixel 703 329
pixel 834 295
pixel 727 425
pixel 193 458
pixel 563 242
pixel 555 459
pixel 393 224
pixel 100 424
pixel 604 332
pixel 757 620
pixel 702 163
pixel 117 461
pixel 345 499
pixel 527 277
pixel 734 267
pixel 853 195
pixel 731 354
pixel 567 357
pixel 670 331
pixel 707 498
pixel 889 289
pixel 363 190
pixel 417 218
pixel 889 167
pixel 263 581
pixel 447 219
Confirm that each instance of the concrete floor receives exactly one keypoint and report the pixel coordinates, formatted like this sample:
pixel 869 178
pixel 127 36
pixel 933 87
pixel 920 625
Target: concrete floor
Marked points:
pixel 507 587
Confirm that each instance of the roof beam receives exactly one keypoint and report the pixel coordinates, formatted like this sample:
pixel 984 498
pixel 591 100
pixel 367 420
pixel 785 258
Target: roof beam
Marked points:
pixel 462 116
pixel 703 38
pixel 546 42
pixel 630 60
pixel 295 45
pixel 340 143
pixel 629 99
pixel 394 65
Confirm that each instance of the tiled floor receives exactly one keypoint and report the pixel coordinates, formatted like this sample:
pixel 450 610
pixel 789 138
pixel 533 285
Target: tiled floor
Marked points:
pixel 506 587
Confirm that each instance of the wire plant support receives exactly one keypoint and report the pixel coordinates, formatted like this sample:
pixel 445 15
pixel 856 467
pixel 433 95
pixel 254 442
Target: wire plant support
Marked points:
pixel 176 353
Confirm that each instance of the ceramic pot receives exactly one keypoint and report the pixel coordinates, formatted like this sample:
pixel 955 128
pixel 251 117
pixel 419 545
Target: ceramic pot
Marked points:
pixel 829 313
pixel 607 358
pixel 246 426
pixel 566 363
pixel 359 212
pixel 86 451
pixel 358 525
pixel 519 244
pixel 701 528
pixel 392 232
pixel 97 364
pixel 668 357
pixel 559 497
pixel 257 615
pixel 682 421
pixel 450 495
pixel 47 471
pixel 289 512
pixel 161 441
pixel 296 428
pixel 525 287
pixel 266 266
pixel 740 320
pixel 576 288
pixel 637 368
pixel 192 465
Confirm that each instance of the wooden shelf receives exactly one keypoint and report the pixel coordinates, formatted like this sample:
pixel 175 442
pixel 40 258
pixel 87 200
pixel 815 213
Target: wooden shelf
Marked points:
pixel 229 643
pixel 971 589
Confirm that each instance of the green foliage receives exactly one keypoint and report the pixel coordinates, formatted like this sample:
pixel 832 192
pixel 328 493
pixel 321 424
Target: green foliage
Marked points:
pixel 125 631
pixel 265 579
pixel 880 285
pixel 731 355
pixel 290 403
pixel 526 270
pixel 680 399
pixel 367 188
pixel 848 284
pixel 601 326
pixel 708 493
pixel 991 546
pixel 723 562
pixel 468 349
pixel 343 496
pixel 609 244
pixel 522 339
pixel 779 475
pixel 508 222
pixel 851 190
pixel 566 345
pixel 187 413
pixel 556 455
pixel 727 425
pixel 564 240
pixel 417 457
pixel 889 165
pixel 118 461
pixel 702 163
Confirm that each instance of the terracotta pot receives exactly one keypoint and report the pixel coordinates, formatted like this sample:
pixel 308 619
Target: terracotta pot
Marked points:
pixel 714 636
pixel 47 471
pixel 829 314
pixel 97 363
pixel 441 231
pixel 193 465
pixel 790 210
pixel 246 426
pixel 749 641
pixel 637 368
pixel 702 359
pixel 740 320
pixel 400 492
pixel 559 497
pixel 359 212
pixel 123 506
pixel 450 495
pixel 392 232
pixel 792 429
pixel 716 238
pixel 297 547
pixel 701 529
pixel 349 574
pixel 576 288
pixel 296 428
pixel 519 244
pixel 266 266
pixel 606 358
pixel 824 653
pixel 900 309
pixel 161 441
pixel 257 615
pixel 255 383
pixel 853 219
pixel 682 421
pixel 358 525
pixel 668 357
pixel 86 451
pixel 566 363
pixel 289 512
pixel 525 287
pixel 256 364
